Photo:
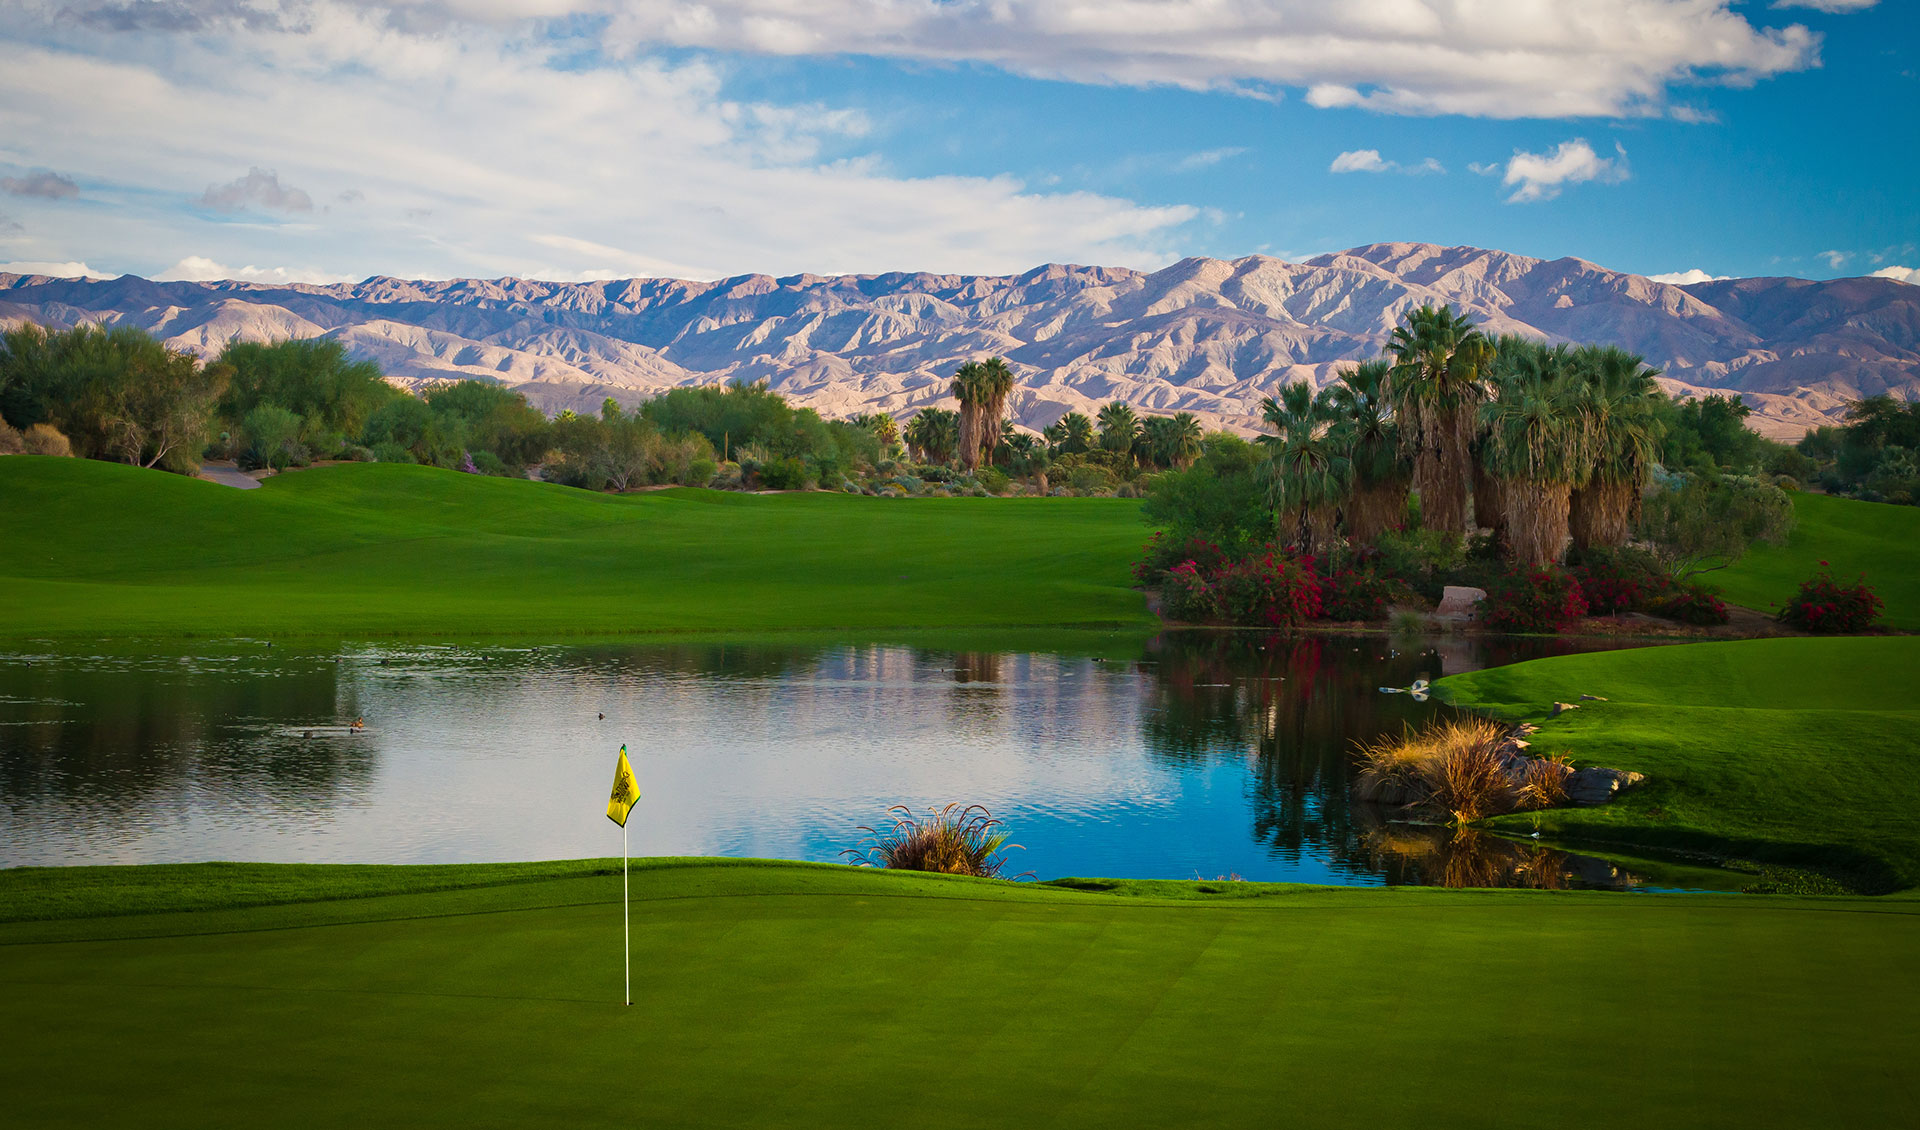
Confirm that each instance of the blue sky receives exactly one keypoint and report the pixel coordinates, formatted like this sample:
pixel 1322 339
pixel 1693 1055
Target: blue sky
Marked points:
pixel 320 140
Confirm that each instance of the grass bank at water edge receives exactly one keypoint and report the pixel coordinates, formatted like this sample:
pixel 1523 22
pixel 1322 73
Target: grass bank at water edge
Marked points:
pixel 1804 752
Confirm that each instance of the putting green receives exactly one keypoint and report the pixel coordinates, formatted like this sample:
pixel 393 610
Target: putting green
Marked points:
pixel 1797 751
pixel 365 550
pixel 1875 538
pixel 774 994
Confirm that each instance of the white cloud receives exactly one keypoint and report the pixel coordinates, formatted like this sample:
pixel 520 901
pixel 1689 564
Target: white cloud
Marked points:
pixel 259 186
pixel 1835 259
pixel 1540 176
pixel 1514 59
pixel 1835 6
pixel 1484 168
pixel 58 270
pixel 1898 274
pixel 1688 277
pixel 1206 159
pixel 475 149
pixel 1369 161
pixel 41 183
pixel 195 268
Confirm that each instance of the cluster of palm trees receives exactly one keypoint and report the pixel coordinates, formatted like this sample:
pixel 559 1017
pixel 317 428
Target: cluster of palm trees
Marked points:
pixel 1543 444
pixel 980 433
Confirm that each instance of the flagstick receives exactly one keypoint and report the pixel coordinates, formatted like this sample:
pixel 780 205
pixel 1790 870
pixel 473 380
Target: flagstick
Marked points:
pixel 626 929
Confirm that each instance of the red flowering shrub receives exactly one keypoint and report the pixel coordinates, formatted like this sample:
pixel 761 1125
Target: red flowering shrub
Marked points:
pixel 1185 594
pixel 1163 553
pixel 1268 590
pixel 1616 581
pixel 1534 600
pixel 1825 605
pixel 1691 604
pixel 1359 594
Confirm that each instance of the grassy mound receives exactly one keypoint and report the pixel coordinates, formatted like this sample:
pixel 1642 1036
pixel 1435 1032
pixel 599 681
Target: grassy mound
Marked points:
pixel 1876 538
pixel 381 549
pixel 797 995
pixel 1798 751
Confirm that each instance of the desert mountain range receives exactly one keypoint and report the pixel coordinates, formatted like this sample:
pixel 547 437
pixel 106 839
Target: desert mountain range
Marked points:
pixel 1209 336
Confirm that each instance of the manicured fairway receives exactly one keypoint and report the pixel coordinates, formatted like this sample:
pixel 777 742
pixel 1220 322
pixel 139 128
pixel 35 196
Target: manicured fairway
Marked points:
pixel 1801 751
pixel 1875 538
pixel 772 995
pixel 377 549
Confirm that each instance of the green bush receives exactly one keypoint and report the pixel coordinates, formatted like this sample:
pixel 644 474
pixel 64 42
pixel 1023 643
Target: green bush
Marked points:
pixel 390 452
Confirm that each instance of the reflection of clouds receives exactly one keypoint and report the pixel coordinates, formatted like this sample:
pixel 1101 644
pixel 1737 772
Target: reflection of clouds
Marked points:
pixel 1214 754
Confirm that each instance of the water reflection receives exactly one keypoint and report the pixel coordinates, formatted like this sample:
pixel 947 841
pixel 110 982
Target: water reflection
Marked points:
pixel 1205 754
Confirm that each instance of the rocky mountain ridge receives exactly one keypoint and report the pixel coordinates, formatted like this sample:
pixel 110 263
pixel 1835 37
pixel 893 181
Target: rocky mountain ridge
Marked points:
pixel 1208 336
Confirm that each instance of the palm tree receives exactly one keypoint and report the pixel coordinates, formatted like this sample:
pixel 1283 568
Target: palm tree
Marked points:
pixel 933 435
pixel 982 388
pixel 1119 427
pixel 884 428
pixel 1619 405
pixel 1076 434
pixel 1538 446
pixel 1308 468
pixel 1439 377
pixel 1153 442
pixel 1364 428
pixel 1184 440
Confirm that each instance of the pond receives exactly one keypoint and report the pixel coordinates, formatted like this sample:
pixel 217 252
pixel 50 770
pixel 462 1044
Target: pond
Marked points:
pixel 1202 754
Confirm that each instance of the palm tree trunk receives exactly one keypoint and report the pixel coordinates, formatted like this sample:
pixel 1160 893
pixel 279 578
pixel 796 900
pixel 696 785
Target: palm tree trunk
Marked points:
pixel 1536 521
pixel 1443 471
pixel 969 436
pixel 1602 513
pixel 1374 509
pixel 1489 508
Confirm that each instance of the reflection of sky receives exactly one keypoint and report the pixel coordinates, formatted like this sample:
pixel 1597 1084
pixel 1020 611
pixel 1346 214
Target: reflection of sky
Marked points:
pixel 500 755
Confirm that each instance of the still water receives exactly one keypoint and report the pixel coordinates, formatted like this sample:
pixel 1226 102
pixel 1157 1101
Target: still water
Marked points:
pixel 1203 754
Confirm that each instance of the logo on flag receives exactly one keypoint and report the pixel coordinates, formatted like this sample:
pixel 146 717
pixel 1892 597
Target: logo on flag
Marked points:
pixel 626 791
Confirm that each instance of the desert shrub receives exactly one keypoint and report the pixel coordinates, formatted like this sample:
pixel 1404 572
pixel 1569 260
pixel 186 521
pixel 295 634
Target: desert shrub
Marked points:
pixel 995 480
pixel 1825 605
pixel 1544 783
pixel 1185 594
pixel 1459 767
pixel 392 453
pixel 354 453
pixel 1359 592
pixel 11 441
pixel 1534 600
pixel 1162 553
pixel 950 841
pixel 486 463
pixel 1091 478
pixel 1268 589
pixel 1619 580
pixel 1691 603
pixel 789 473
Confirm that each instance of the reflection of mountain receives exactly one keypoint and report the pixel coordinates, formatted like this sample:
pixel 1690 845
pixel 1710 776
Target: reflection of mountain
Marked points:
pixel 1203 335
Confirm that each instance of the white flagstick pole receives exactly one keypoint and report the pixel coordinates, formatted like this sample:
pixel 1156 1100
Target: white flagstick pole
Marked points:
pixel 626 928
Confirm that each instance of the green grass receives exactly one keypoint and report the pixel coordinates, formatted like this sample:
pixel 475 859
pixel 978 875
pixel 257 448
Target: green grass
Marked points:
pixel 379 549
pixel 1803 752
pixel 792 995
pixel 1876 538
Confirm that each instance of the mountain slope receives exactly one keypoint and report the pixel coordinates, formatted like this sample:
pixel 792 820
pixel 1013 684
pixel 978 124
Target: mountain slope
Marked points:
pixel 1208 336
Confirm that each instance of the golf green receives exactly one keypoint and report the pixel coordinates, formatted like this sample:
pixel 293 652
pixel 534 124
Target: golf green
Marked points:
pixel 1803 752
pixel 366 550
pixel 769 994
pixel 1875 538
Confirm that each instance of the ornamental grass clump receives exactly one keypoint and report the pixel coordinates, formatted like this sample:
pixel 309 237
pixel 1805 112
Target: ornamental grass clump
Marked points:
pixel 1458 767
pixel 954 840
pixel 1826 606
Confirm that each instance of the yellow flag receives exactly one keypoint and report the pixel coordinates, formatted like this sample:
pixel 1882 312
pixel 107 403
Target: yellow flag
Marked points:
pixel 626 791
